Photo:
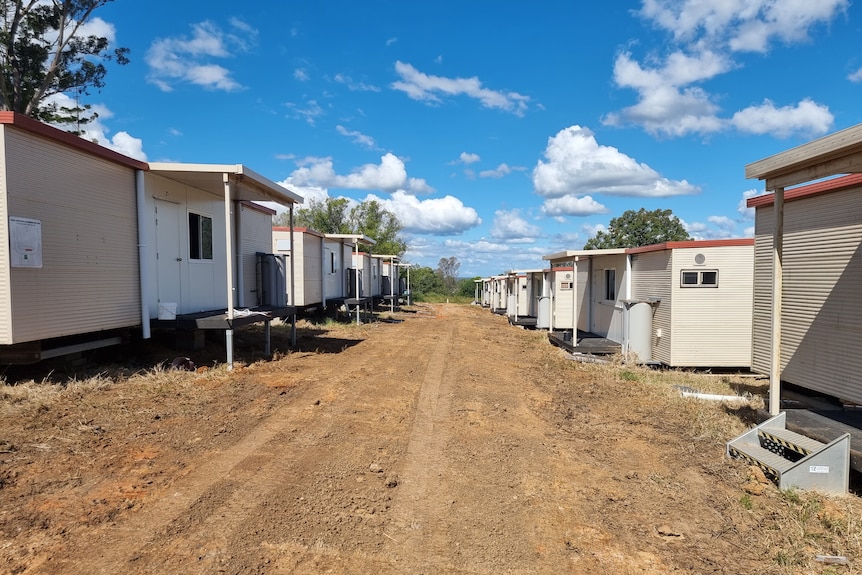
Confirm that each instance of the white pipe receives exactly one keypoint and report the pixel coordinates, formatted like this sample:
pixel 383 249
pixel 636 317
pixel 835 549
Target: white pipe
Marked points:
pixel 143 255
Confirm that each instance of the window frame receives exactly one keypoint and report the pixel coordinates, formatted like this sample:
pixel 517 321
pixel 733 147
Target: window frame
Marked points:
pixel 197 244
pixel 610 287
pixel 699 278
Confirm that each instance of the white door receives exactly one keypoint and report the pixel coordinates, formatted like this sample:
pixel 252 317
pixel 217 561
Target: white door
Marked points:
pixel 169 254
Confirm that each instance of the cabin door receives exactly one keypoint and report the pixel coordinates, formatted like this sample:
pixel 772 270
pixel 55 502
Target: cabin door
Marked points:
pixel 169 256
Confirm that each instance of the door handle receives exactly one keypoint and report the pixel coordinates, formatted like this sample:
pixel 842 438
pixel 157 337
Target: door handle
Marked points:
pixel 179 259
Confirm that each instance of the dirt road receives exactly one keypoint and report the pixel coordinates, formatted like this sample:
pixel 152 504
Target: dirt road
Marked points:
pixel 450 442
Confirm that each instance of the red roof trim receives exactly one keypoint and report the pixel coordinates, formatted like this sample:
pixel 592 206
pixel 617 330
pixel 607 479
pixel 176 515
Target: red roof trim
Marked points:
pixel 692 244
pixel 824 187
pixel 38 128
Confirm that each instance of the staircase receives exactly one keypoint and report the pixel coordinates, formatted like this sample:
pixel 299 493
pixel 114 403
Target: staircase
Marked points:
pixel 794 460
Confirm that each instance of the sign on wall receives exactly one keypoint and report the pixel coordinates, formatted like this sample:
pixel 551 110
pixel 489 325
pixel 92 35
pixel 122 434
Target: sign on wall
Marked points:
pixel 25 242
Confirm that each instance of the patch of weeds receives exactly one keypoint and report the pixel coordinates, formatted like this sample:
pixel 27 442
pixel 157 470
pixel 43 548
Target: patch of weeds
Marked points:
pixel 792 496
pixel 627 375
pixel 746 501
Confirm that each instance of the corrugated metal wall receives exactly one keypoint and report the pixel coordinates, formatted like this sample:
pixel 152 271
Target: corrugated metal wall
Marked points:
pixel 712 325
pixel 822 307
pixel 652 278
pixel 89 279
pixel 761 334
pixel 5 279
pixel 256 230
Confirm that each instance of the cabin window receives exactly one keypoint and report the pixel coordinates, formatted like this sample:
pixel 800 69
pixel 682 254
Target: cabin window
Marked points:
pixel 699 278
pixel 332 269
pixel 565 285
pixel 610 285
pixel 200 237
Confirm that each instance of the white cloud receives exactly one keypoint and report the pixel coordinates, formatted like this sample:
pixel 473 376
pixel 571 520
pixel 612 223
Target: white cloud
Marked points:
pixel 573 206
pixel 96 131
pixel 500 171
pixel 188 59
pixel 746 212
pixel 510 226
pixel 389 175
pixel 423 87
pixel 357 137
pixel 467 158
pixel 806 118
pixel 855 76
pixel 740 25
pixel 667 104
pixel 671 101
pixel 354 86
pixel 577 165
pixel 309 111
pixel 722 222
pixel 301 75
pixel 446 215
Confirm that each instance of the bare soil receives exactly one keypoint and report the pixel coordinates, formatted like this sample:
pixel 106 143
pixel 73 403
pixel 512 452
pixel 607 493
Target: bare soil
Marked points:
pixel 449 442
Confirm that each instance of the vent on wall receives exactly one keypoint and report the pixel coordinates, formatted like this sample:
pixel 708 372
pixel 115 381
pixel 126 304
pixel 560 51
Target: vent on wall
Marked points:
pixel 700 259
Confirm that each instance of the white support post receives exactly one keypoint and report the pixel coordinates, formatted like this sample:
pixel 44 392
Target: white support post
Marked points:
pixel 229 257
pixel 777 284
pixel 292 283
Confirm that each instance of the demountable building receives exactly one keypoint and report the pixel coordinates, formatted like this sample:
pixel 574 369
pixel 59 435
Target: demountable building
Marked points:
pixel 97 243
pixel 807 313
pixel 321 266
pixel 680 304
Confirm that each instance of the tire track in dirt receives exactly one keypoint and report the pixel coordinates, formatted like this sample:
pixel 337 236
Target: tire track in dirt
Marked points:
pixel 416 517
pixel 205 517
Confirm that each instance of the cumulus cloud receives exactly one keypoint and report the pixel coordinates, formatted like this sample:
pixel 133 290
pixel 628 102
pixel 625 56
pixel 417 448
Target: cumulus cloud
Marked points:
pixel 511 227
pixel 467 158
pixel 806 118
pixel 668 105
pixel 431 89
pixel 97 131
pixel 855 76
pixel 671 100
pixel 189 59
pixel 575 165
pixel 742 207
pixel 741 25
pixel 446 215
pixel 389 175
pixel 573 206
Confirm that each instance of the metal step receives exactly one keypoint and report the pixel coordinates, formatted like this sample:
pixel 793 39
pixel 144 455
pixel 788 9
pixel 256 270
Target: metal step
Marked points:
pixel 791 440
pixel 794 460
pixel 771 463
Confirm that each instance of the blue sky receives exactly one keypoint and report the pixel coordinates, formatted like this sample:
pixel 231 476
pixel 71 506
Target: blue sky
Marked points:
pixel 497 131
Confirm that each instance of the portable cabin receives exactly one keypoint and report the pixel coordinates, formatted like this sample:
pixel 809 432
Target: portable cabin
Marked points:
pixel 69 265
pixel 657 301
pixel 304 249
pixel 390 280
pixel 808 268
pixel 587 287
pixel 98 243
pixel 486 291
pixel 499 294
pixel 524 289
pixel 690 303
pixel 320 266
pixel 205 244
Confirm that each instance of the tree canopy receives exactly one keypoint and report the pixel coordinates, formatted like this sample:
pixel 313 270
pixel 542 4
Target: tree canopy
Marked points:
pixel 447 269
pixel 639 228
pixel 44 52
pixel 335 216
